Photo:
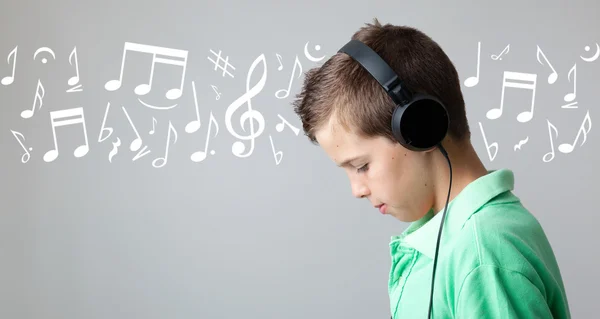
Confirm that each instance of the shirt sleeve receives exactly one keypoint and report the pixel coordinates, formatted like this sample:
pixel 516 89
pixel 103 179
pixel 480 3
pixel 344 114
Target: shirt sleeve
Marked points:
pixel 490 291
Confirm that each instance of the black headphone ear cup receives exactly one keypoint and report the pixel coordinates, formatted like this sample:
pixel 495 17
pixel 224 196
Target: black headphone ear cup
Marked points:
pixel 421 124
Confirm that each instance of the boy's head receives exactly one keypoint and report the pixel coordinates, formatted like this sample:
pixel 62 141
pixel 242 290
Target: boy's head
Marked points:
pixel 347 112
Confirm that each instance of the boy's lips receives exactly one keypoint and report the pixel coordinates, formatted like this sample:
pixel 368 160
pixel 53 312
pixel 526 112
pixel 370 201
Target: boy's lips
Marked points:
pixel 382 208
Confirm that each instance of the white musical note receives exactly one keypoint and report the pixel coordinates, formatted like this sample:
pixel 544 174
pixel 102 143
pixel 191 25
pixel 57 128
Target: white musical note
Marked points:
pixel 551 153
pixel 103 128
pixel 488 146
pixel 163 160
pixel 153 126
pixel 8 80
pixel 137 143
pixel 143 89
pixel 141 153
pixel 287 91
pixel 25 157
pixel 571 96
pixel 199 156
pixel 507 81
pixel 280 126
pixel 250 115
pixel 568 148
pixel 280 62
pixel 277 155
pixel 499 56
pixel 75 79
pixel 194 125
pixel 553 76
pixel 63 118
pixel 473 80
pixel 114 150
pixel 218 94
pixel 39 97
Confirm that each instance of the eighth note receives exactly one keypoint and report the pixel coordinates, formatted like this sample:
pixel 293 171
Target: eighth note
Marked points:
pixel 551 153
pixel 63 118
pixel 199 156
pixel 571 96
pixel 280 126
pixel 26 156
pixel 218 94
pixel 568 148
pixel 164 160
pixel 75 79
pixel 553 76
pixel 153 126
pixel 38 98
pixel 137 143
pixel 287 91
pixel 499 56
pixel 280 67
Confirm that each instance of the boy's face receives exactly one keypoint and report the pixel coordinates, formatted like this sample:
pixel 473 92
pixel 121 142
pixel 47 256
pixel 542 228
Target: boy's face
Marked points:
pixel 381 171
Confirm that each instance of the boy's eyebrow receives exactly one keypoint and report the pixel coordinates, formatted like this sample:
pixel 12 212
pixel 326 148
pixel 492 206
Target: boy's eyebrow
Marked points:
pixel 346 162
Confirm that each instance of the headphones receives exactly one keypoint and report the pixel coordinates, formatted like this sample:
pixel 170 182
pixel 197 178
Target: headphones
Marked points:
pixel 419 123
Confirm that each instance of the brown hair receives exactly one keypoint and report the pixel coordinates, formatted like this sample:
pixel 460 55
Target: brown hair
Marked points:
pixel 341 87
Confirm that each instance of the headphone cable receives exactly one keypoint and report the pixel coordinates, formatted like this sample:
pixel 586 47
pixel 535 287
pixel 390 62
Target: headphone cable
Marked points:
pixel 437 246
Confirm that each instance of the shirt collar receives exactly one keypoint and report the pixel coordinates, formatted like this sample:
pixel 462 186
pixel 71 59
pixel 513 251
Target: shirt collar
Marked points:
pixel 422 234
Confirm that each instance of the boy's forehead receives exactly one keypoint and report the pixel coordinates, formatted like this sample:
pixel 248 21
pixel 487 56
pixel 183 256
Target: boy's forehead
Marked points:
pixel 339 142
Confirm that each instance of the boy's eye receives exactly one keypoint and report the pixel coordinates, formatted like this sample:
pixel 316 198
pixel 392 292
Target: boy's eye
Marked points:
pixel 363 168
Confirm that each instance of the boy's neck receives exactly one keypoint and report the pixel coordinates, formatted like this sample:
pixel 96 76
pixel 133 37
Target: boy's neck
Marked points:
pixel 466 167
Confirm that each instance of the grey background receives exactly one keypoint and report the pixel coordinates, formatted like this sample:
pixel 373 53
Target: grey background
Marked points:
pixel 243 237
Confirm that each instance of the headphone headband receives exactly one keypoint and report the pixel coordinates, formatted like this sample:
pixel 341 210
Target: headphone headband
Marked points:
pixel 379 69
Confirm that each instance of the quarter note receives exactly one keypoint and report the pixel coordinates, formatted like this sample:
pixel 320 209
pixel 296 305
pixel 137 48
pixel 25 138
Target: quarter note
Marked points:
pixel 194 125
pixel 551 128
pixel 63 118
pixel 568 148
pixel 571 96
pixel 199 156
pixel 553 76
pixel 137 143
pixel 8 80
pixel 26 156
pixel 39 96
pixel 473 80
pixel 163 160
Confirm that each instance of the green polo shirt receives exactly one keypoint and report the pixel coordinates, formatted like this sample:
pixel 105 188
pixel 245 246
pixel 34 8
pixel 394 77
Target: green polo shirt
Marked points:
pixel 494 260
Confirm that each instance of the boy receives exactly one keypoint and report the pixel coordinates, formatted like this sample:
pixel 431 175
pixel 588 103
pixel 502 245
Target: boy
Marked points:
pixel 494 258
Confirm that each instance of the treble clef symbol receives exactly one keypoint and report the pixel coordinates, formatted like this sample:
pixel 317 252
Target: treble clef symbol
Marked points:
pixel 238 147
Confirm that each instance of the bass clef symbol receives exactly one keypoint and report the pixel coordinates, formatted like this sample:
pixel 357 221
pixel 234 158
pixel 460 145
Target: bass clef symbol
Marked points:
pixel 250 115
